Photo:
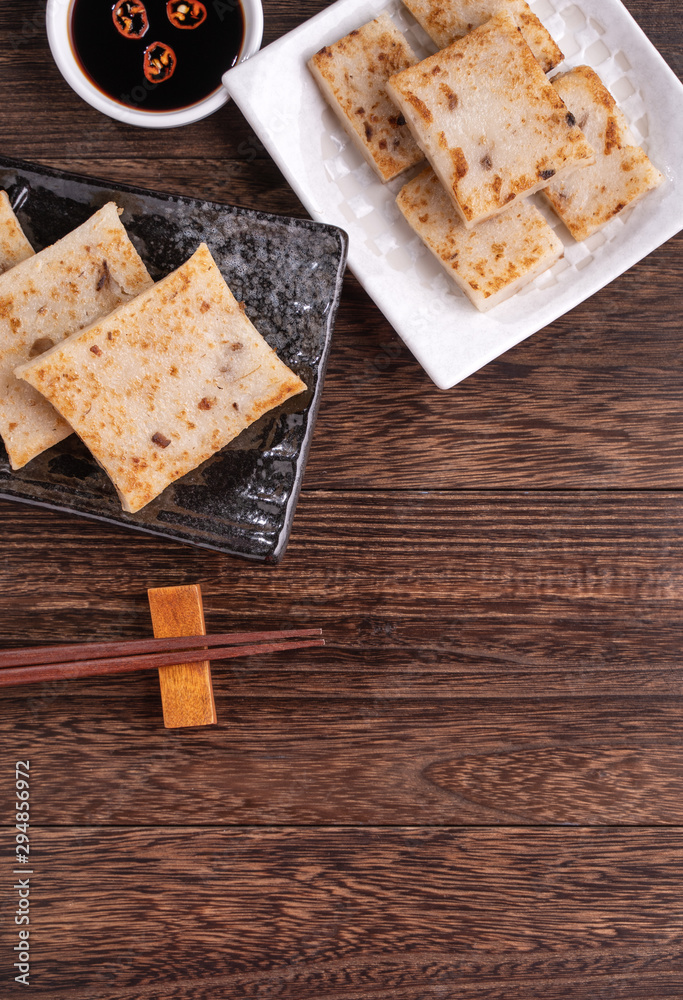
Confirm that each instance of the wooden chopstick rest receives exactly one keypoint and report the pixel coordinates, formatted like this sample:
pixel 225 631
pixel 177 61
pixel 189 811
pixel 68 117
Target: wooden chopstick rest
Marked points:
pixel 186 688
pixel 187 694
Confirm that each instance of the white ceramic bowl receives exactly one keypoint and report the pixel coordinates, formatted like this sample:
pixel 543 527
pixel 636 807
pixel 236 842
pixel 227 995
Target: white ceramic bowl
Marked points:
pixel 58 19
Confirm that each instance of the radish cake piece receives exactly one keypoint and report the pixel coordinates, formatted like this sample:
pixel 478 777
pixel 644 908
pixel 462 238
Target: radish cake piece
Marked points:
pixel 622 173
pixel 446 20
pixel 492 126
pixel 352 76
pixel 490 262
pixel 14 247
pixel 45 299
pixel 165 381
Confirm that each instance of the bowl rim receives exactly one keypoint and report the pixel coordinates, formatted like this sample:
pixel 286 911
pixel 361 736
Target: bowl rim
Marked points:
pixel 57 21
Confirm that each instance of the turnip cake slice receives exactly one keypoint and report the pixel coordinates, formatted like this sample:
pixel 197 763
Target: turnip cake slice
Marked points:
pixel 14 247
pixel 352 75
pixel 490 123
pixel 165 381
pixel 622 173
pixel 44 299
pixel 490 262
pixel 446 20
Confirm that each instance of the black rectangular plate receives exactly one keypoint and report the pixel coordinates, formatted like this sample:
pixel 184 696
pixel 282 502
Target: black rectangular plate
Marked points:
pixel 287 271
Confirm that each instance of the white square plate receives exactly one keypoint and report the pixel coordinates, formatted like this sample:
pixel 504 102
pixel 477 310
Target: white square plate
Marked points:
pixel 447 335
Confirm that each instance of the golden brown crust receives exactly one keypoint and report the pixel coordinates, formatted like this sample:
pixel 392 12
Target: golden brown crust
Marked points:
pixel 588 199
pixel 351 75
pixel 447 20
pixel 171 382
pixel 47 297
pixel 491 125
pixel 489 262
pixel 14 246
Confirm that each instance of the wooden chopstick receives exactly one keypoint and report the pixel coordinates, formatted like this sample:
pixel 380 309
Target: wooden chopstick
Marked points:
pixel 35 673
pixel 33 655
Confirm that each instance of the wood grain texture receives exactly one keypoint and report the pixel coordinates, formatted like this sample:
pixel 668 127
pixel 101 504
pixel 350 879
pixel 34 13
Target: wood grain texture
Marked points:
pixel 481 639
pixel 186 689
pixel 592 401
pixel 479 594
pixel 345 914
pixel 385 761
pixel 474 789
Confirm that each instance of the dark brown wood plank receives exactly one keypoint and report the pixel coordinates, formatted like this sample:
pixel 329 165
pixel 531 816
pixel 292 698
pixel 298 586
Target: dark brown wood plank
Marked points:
pixel 478 594
pixel 475 659
pixel 493 657
pixel 431 551
pixel 381 760
pixel 325 914
pixel 475 655
pixel 594 400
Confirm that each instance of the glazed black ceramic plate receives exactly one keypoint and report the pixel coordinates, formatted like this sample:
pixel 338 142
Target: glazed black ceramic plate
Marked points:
pixel 287 271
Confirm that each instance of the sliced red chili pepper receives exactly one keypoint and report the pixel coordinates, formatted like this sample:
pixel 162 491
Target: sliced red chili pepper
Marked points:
pixel 186 13
pixel 159 62
pixel 130 18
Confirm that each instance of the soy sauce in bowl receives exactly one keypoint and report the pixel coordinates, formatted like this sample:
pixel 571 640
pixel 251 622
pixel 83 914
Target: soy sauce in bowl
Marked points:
pixel 156 55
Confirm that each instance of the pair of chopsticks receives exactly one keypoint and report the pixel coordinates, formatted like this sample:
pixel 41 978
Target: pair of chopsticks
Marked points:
pixel 96 659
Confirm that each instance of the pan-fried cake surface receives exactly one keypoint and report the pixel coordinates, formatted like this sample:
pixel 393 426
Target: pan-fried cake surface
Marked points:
pixel 352 75
pixel 44 299
pixel 622 173
pixel 165 381
pixel 446 20
pixel 492 126
pixel 14 247
pixel 490 262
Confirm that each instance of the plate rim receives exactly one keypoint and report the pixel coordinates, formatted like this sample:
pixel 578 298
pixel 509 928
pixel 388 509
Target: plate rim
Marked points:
pixel 340 255
pixel 240 78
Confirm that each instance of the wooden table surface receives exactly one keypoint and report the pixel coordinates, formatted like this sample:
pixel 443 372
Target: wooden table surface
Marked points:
pixel 476 790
